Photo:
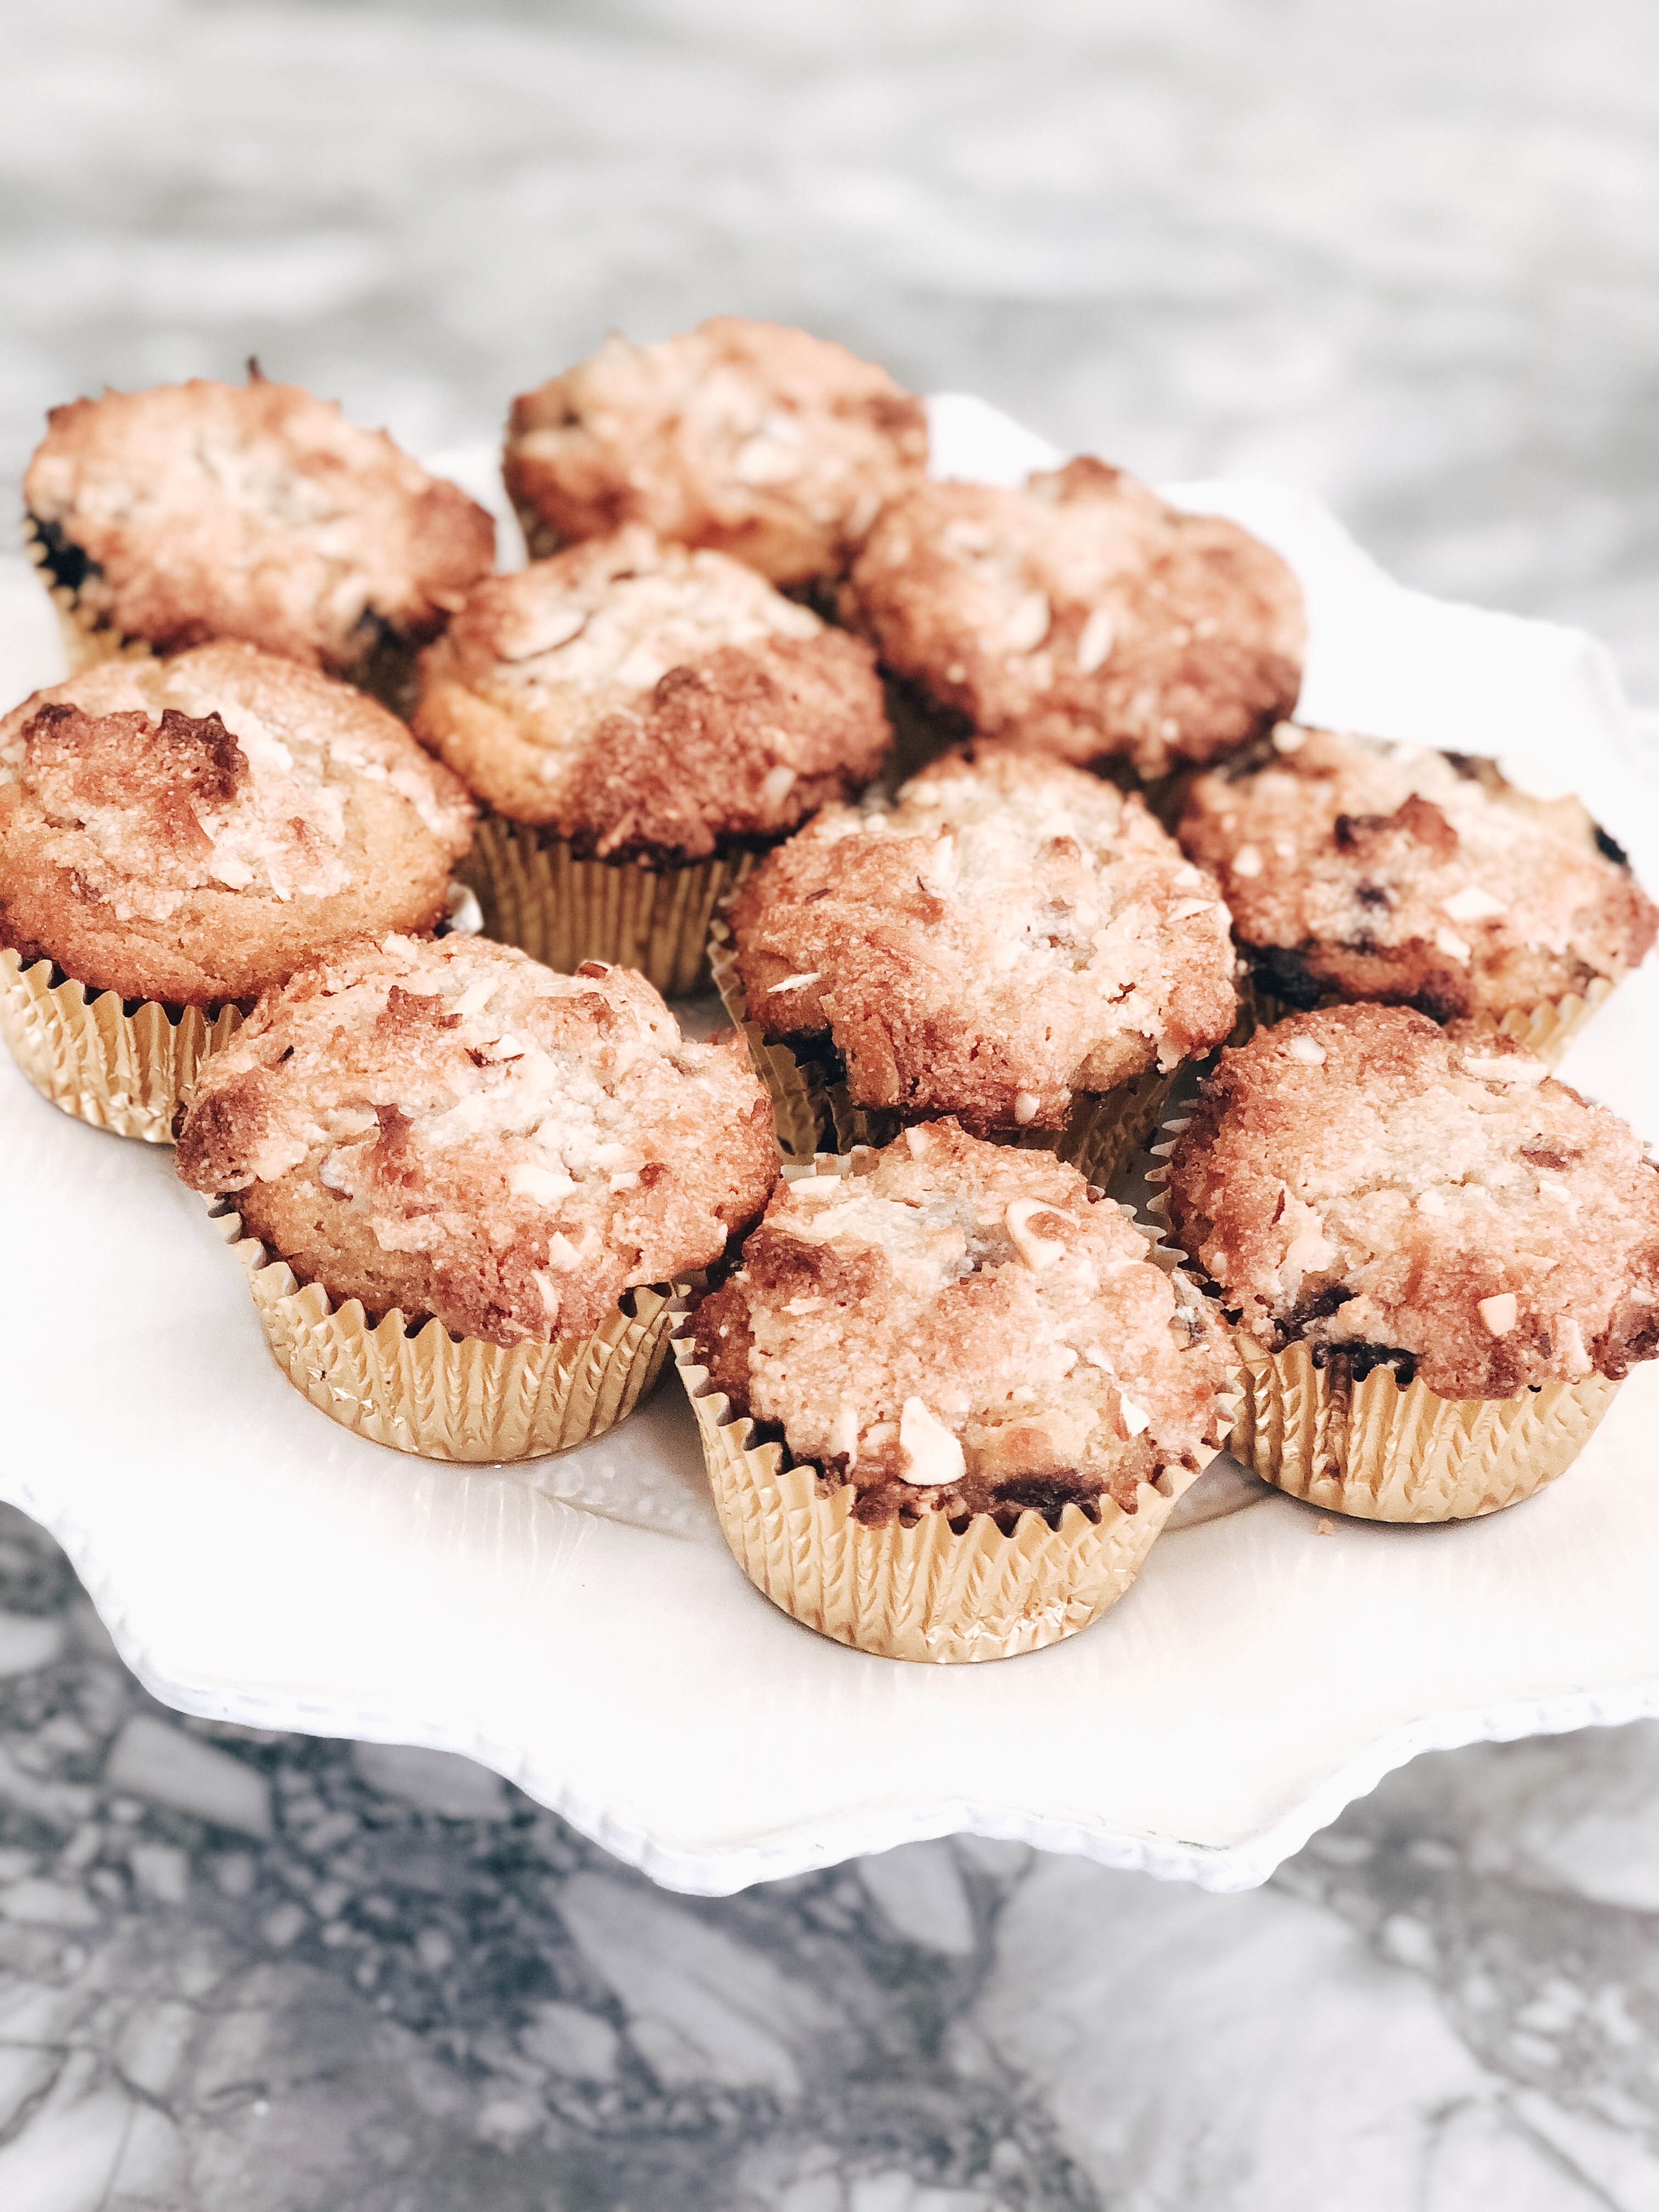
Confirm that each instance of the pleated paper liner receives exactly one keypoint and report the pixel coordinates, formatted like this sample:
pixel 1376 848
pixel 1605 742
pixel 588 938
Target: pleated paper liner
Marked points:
pixel 923 1592
pixel 536 894
pixel 808 1111
pixel 1544 1029
pixel 1376 1450
pixel 86 639
pixel 1379 1452
pixel 387 669
pixel 122 1065
pixel 452 1398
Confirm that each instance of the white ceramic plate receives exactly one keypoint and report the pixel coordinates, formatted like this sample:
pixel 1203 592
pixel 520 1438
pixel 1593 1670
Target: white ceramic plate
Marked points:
pixel 578 1624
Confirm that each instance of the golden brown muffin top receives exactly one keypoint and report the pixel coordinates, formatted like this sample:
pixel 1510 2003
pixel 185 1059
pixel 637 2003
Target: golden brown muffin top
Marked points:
pixel 966 1327
pixel 252 511
pixel 1359 1178
pixel 640 695
pixel 1084 615
pixel 194 827
pixel 1007 932
pixel 760 440
pixel 484 1141
pixel 1387 871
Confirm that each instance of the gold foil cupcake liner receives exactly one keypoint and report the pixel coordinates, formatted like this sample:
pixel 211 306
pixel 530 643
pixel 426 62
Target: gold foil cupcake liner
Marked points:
pixel 1380 1450
pixel 1377 1452
pixel 86 639
pixel 538 894
pixel 387 670
pixel 1105 1128
pixel 927 1592
pixel 924 1592
pixel 121 1066
pixel 1544 1029
pixel 439 1396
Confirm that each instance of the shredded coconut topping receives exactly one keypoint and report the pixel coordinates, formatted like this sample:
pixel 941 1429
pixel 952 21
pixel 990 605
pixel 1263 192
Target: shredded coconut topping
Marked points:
pixel 512 1194
pixel 1385 847
pixel 1012 935
pixel 1406 1193
pixel 892 1322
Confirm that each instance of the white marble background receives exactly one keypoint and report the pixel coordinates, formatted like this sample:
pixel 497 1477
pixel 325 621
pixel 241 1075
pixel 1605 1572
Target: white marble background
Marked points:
pixel 1404 255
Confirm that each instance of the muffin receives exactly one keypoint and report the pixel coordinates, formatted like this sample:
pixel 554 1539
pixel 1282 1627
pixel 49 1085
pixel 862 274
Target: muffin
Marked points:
pixel 988 1393
pixel 1440 1261
pixel 166 518
pixel 1083 615
pixel 1356 869
pixel 757 441
pixel 639 718
pixel 1011 941
pixel 472 1179
pixel 177 836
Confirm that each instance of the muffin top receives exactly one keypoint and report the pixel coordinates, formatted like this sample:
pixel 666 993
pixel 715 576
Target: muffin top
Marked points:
pixel 201 510
pixel 760 440
pixel 452 1129
pixel 965 1328
pixel 642 696
pixel 1362 1179
pixel 193 829
pixel 1384 871
pixel 1083 615
pixel 1007 932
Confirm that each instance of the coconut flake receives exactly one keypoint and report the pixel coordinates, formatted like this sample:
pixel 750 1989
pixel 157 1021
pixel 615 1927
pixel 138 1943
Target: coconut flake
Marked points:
pixel 1499 1312
pixel 933 1453
pixel 1094 647
pixel 1038 1252
pixel 1472 904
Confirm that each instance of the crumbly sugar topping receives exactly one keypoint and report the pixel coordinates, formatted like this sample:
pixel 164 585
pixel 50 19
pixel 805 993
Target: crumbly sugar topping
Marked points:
pixel 1358 1176
pixel 223 767
pixel 524 1146
pixel 1082 614
pixel 776 446
pixel 587 690
pixel 1009 931
pixel 1388 869
pixel 253 511
pixel 959 1325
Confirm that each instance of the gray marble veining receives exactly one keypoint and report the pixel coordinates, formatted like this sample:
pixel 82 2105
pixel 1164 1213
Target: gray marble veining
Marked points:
pixel 287 1974
pixel 1405 257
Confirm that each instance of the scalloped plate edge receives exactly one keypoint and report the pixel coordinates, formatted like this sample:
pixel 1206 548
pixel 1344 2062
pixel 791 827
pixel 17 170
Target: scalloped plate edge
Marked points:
pixel 722 1873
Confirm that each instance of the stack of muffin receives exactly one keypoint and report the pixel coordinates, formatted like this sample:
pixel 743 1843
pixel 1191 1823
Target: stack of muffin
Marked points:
pixel 948 1391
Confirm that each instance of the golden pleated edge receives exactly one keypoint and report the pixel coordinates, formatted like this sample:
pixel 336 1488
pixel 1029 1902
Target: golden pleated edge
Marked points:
pixel 85 643
pixel 127 1073
pixel 1379 1452
pixel 1545 1030
pixel 387 672
pixel 1104 1129
pixel 561 910
pixel 923 1592
pixel 452 1398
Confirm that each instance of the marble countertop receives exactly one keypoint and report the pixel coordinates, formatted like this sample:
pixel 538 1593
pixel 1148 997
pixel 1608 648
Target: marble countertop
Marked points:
pixel 1406 257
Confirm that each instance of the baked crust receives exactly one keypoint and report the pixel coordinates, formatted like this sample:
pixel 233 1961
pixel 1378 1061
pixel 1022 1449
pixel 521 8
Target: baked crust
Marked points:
pixel 452 1129
pixel 759 441
pixel 256 512
pixel 1362 1179
pixel 1384 871
pixel 1046 1351
pixel 194 830
pixel 1083 615
pixel 639 696
pixel 1008 931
